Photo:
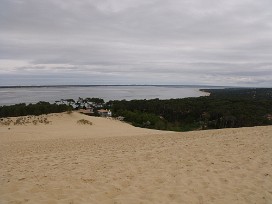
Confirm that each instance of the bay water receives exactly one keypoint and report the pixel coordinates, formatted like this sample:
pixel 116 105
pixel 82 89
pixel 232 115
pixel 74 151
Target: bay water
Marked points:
pixel 15 95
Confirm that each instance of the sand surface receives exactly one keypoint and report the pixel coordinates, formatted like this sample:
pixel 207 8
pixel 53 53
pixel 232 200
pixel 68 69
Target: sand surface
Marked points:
pixel 113 162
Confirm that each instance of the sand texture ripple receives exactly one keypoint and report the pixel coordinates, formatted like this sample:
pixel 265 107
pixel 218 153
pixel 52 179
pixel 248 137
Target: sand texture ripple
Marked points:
pixel 113 162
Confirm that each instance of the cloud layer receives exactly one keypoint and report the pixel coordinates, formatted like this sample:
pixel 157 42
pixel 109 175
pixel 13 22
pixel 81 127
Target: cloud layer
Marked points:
pixel 211 42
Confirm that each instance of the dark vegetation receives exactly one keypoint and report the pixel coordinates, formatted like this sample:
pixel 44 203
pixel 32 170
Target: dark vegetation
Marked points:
pixel 224 108
pixel 32 109
pixel 84 122
pixel 82 100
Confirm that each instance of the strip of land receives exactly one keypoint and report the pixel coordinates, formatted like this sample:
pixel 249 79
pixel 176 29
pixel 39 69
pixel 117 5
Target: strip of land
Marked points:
pixel 58 159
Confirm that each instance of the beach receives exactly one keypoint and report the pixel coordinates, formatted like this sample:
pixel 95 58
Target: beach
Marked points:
pixel 109 161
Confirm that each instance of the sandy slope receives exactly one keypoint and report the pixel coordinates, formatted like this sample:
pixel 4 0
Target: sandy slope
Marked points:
pixel 112 162
pixel 65 126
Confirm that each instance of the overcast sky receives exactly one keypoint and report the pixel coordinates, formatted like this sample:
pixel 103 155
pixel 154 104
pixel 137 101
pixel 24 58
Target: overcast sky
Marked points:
pixel 207 42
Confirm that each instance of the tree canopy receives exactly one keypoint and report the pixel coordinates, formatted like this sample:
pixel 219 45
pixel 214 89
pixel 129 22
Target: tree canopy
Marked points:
pixel 32 109
pixel 224 108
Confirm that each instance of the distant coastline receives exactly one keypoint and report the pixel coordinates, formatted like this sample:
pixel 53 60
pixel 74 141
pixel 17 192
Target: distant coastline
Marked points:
pixel 51 93
pixel 108 85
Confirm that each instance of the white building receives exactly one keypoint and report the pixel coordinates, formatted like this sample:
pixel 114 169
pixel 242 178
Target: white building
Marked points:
pixel 104 113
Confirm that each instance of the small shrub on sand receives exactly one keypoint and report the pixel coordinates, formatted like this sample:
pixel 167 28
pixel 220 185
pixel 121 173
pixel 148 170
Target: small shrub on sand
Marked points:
pixel 19 121
pixel 6 122
pixel 25 121
pixel 45 120
pixel 84 122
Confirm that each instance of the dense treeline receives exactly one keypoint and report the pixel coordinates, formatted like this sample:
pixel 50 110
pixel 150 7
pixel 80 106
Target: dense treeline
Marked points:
pixel 252 93
pixel 32 109
pixel 224 108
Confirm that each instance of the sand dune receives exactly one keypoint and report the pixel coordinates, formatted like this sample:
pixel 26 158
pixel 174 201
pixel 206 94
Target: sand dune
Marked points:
pixel 113 162
pixel 65 126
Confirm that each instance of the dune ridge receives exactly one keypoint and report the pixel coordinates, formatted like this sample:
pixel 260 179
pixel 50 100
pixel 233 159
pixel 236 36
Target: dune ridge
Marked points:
pixel 113 162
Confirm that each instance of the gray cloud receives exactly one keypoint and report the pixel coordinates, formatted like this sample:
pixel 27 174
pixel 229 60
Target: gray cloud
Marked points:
pixel 212 42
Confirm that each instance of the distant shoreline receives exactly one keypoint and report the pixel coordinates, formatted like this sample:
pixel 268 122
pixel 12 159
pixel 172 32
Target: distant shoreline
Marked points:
pixel 205 91
pixel 11 95
pixel 32 94
pixel 116 85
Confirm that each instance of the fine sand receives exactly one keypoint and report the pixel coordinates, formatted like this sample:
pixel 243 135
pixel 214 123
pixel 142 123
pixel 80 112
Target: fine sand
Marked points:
pixel 57 160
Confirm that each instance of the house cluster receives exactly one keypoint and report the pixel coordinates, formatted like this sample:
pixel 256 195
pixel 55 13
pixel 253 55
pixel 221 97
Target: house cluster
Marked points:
pixel 104 113
pixel 87 106
pixel 80 103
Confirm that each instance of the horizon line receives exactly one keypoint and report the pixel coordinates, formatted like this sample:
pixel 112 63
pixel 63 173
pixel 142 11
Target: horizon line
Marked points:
pixel 90 85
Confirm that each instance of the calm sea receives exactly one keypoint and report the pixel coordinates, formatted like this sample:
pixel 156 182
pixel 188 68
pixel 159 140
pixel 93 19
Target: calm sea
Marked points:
pixel 10 96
